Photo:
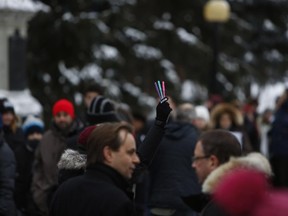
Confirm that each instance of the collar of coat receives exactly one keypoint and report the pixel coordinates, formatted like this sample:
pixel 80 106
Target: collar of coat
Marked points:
pixel 254 161
pixel 103 172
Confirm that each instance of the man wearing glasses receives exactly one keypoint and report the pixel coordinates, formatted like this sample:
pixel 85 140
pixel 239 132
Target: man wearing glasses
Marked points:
pixel 213 148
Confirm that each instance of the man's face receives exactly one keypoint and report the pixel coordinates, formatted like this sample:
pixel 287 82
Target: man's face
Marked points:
pixel 201 163
pixel 88 97
pixel 63 120
pixel 125 159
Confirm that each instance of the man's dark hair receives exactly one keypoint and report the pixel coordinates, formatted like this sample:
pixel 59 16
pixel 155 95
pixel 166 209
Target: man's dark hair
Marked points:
pixel 220 143
pixel 93 87
pixel 105 134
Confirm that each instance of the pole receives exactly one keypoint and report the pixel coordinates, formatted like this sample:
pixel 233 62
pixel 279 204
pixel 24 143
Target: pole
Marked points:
pixel 214 85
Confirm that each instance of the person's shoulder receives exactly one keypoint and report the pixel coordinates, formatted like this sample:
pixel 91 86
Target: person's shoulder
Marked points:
pixel 211 209
pixel 48 133
pixel 5 150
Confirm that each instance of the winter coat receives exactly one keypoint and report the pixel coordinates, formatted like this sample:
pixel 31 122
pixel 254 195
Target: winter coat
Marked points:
pixel 7 179
pixel 14 139
pixel 100 191
pixel 25 156
pixel 254 161
pixel 171 173
pixel 45 176
pixel 279 132
pixel 73 163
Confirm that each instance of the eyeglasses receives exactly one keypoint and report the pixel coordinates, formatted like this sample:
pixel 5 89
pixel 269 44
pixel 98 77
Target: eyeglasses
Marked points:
pixel 194 159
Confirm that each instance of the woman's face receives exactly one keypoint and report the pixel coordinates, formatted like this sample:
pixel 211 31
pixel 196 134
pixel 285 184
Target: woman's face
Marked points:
pixel 225 121
pixel 8 118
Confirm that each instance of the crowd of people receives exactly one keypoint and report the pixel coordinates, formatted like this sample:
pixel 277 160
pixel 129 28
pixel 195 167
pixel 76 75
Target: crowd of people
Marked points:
pixel 109 160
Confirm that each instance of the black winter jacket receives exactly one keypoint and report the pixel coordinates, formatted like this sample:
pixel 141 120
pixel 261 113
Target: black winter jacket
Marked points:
pixel 14 139
pixel 146 153
pixel 7 179
pixel 93 194
pixel 172 176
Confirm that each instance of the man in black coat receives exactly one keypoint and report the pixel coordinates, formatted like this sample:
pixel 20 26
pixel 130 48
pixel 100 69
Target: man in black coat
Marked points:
pixel 7 177
pixel 112 163
pixel 171 173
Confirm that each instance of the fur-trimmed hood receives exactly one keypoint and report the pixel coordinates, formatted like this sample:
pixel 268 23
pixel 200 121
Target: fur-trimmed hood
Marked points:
pixel 255 161
pixel 72 159
pixel 222 108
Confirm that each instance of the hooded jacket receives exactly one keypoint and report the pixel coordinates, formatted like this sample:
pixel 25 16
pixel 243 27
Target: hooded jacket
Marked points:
pixel 72 163
pixel 171 173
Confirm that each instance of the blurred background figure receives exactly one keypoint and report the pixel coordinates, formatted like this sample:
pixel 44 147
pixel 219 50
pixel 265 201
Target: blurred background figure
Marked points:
pixel 171 174
pixel 139 122
pixel 102 109
pixel 278 138
pixel 202 118
pixel 13 134
pixel 72 162
pixel 33 128
pixel 250 123
pixel 228 117
pixel 7 177
pixel 91 90
pixel 264 122
pixel 63 133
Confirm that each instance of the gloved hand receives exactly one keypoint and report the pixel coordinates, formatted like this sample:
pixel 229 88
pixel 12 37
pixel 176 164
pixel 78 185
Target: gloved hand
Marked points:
pixel 163 110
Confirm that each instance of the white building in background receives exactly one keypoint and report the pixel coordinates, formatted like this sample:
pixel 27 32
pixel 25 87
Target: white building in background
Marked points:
pixel 14 15
pixel 23 102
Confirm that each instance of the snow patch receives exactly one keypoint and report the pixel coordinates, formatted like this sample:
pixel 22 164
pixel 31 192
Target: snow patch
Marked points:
pixel 106 52
pixel 186 36
pixel 135 34
pixel 147 52
pixel 169 71
pixel 191 91
pixel 269 25
pixel 164 25
pixel 268 95
pixel 22 5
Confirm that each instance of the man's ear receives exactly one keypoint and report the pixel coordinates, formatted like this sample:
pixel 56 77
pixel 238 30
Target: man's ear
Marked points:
pixel 214 162
pixel 107 153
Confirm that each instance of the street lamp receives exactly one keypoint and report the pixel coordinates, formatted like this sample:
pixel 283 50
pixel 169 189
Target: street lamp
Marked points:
pixel 216 12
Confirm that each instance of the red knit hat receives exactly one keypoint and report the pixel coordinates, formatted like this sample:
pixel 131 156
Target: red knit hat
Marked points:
pixel 64 105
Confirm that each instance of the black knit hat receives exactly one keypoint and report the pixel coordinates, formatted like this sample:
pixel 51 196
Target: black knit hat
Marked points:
pixel 6 106
pixel 101 110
